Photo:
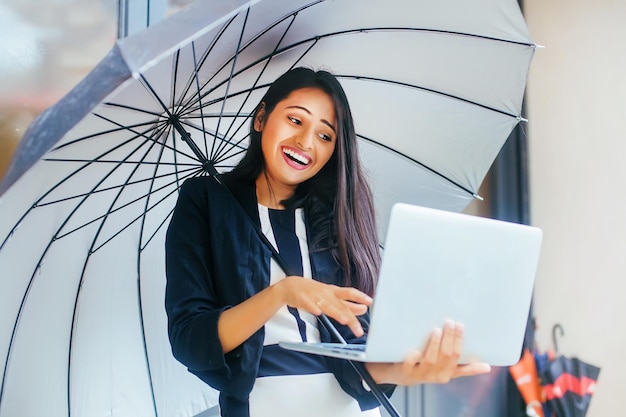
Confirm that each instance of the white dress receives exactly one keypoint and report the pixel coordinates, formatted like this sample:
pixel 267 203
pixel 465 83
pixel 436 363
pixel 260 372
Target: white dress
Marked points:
pixel 292 383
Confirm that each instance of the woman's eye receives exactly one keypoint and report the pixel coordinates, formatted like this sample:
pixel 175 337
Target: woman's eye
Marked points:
pixel 295 121
pixel 325 137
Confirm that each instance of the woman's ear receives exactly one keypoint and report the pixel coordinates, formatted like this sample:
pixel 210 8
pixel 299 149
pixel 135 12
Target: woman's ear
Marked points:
pixel 259 118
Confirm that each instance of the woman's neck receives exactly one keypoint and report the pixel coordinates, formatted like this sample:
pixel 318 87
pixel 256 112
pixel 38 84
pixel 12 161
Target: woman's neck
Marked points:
pixel 271 195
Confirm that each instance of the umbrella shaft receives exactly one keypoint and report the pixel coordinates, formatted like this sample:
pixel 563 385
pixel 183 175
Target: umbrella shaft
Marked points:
pixel 206 164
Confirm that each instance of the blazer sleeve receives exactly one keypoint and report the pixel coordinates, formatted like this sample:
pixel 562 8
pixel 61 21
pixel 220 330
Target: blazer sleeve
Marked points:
pixel 192 306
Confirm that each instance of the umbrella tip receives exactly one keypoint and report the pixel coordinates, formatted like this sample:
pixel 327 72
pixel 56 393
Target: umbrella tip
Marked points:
pixel 477 197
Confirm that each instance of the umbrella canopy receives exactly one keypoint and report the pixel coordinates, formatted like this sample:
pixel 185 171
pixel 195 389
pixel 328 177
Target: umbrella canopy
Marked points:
pixel 435 88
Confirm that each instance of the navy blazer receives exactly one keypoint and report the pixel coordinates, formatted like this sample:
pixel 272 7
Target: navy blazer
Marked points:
pixel 216 260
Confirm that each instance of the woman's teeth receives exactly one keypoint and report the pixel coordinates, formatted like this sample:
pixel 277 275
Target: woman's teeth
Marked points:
pixel 296 157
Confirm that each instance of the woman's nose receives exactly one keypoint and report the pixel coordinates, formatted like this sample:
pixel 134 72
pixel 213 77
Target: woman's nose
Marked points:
pixel 305 140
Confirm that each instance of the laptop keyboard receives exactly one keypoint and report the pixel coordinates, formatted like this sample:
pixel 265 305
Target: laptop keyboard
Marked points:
pixel 356 348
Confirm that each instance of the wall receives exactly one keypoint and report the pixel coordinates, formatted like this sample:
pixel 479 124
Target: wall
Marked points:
pixel 577 130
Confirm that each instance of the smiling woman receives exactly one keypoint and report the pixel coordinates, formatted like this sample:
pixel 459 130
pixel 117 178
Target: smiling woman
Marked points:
pixel 229 304
pixel 84 214
pixel 293 183
pixel 298 139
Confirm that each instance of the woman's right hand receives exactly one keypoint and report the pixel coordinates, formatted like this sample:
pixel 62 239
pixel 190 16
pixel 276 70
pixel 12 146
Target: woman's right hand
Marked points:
pixel 343 304
pixel 238 323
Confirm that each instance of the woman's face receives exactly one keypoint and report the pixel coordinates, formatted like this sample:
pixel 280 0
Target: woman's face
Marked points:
pixel 298 137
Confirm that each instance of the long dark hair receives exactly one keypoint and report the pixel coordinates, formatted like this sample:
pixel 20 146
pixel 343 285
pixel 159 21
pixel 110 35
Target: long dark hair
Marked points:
pixel 337 201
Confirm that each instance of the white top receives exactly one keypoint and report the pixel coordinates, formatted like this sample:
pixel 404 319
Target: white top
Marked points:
pixel 290 383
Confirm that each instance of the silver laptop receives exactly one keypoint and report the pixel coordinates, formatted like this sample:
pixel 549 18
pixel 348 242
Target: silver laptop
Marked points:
pixel 440 265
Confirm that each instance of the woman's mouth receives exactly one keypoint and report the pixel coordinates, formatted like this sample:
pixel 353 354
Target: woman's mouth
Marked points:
pixel 295 159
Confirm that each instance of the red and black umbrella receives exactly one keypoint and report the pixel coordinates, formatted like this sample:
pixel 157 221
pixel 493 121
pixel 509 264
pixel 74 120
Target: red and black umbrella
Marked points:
pixel 569 384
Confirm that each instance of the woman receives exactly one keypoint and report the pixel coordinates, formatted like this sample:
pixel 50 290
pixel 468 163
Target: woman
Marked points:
pixel 228 302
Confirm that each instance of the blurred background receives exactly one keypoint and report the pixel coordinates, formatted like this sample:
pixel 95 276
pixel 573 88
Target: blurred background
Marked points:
pixel 47 46
pixel 575 147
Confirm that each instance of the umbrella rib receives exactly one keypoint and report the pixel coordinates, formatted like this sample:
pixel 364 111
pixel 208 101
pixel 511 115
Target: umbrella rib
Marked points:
pixel 119 128
pixel 18 316
pixel 395 151
pixel 196 172
pixel 234 144
pixel 115 187
pixel 230 78
pixel 205 56
pixel 196 77
pixel 440 31
pixel 175 77
pixel 101 133
pixel 175 156
pixel 256 82
pixel 429 90
pixel 197 158
pixel 225 158
pixel 154 94
pixel 116 161
pixel 135 219
pixel 222 138
pixel 139 252
pixel 137 109
pixel 108 213
pixel 156 230
pixel 412 29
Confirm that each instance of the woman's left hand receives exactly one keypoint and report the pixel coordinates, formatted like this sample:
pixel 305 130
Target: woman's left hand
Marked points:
pixel 438 363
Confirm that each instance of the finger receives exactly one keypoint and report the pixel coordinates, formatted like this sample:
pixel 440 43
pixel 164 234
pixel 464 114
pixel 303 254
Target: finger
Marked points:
pixel 451 348
pixel 431 352
pixel 357 309
pixel 448 339
pixel 411 360
pixel 354 295
pixel 472 369
pixel 315 307
pixel 458 340
pixel 344 315
pixel 340 312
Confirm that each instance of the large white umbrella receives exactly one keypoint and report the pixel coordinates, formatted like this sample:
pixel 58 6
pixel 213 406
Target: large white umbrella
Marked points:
pixel 435 86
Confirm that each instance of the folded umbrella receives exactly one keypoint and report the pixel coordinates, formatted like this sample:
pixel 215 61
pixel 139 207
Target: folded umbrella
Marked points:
pixel 569 384
pixel 524 374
